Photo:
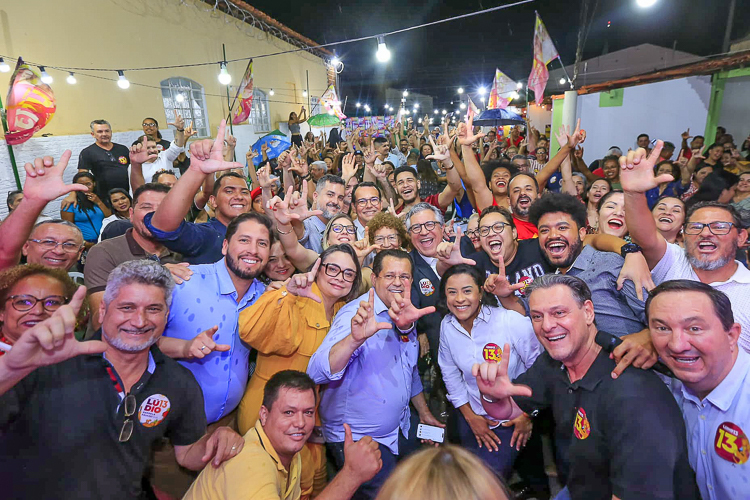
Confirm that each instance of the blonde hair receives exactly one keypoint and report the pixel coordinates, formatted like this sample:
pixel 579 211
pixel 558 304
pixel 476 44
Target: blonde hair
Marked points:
pixel 444 473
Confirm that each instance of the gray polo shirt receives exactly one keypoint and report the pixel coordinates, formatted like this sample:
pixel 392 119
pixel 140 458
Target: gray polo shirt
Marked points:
pixel 618 312
pixel 313 237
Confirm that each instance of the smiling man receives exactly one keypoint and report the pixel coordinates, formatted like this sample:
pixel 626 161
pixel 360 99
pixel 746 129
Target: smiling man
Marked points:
pixel 603 426
pixel 107 160
pixel 132 394
pixel 367 203
pixel 523 190
pixel 712 233
pixel 329 199
pixel 693 329
pixel 54 243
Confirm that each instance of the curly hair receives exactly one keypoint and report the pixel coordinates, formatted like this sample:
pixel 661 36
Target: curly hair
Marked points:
pixel 558 202
pixel 10 277
pixel 384 219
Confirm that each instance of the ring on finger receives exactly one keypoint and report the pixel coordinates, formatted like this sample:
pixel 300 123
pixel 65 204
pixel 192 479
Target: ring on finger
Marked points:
pixel 203 347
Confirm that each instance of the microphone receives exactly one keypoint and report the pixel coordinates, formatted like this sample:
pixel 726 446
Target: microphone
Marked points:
pixel 609 342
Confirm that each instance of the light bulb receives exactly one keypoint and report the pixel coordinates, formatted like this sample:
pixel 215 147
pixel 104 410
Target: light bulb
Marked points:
pixel 481 91
pixel 304 93
pixel 645 3
pixel 416 105
pixel 515 95
pixel 359 105
pixel 406 93
pixel 271 92
pixel 460 90
pixel 122 82
pixel 462 106
pixel 4 68
pixel 179 98
pixel 45 77
pixel 419 121
pixel 383 54
pixel 390 109
pixel 335 61
pixel 436 111
pixel 519 85
pixel 224 77
pixel 445 112
pixel 71 79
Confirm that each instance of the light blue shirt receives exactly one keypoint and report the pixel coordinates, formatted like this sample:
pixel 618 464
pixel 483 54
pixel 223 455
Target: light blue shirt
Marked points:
pixel 313 237
pixel 207 299
pixel 715 445
pixel 372 392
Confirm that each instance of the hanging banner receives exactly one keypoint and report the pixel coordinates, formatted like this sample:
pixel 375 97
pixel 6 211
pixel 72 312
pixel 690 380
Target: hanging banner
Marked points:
pixel 30 104
pixel 244 97
pixel 502 90
pixel 544 52
pixel 331 102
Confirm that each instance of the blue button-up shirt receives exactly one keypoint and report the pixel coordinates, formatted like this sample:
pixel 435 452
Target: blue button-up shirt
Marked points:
pixel 313 237
pixel 373 391
pixel 198 243
pixel 209 299
pixel 717 433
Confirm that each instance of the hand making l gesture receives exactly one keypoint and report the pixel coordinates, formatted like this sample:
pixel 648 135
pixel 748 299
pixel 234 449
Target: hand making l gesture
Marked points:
pixel 637 170
pixel 207 156
pixel 44 179
pixel 364 322
pixel 301 284
pixel 402 311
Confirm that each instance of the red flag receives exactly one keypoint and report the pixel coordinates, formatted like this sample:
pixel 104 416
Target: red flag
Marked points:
pixel 502 91
pixel 30 104
pixel 544 52
pixel 245 95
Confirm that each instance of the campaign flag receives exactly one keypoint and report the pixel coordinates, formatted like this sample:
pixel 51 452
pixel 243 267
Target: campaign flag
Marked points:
pixel 544 53
pixel 244 97
pixel 331 102
pixel 471 110
pixel 502 90
pixel 30 104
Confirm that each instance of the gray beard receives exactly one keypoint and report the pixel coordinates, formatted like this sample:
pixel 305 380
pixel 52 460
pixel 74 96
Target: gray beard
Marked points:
pixel 328 215
pixel 122 346
pixel 710 265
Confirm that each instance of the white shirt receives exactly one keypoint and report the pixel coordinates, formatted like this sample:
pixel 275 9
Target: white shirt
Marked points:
pixel 717 428
pixel 163 162
pixel 675 266
pixel 432 262
pixel 492 329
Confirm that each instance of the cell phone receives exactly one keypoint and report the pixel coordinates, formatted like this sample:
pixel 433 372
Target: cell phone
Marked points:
pixel 430 432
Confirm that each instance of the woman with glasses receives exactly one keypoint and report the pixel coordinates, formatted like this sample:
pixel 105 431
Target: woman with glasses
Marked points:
pixel 286 327
pixel 30 294
pixel 151 130
pixel 384 232
pixel 90 211
pixel 120 203
pixel 472 231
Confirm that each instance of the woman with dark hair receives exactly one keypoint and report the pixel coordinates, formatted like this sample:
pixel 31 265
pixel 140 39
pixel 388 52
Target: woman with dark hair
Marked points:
pixel 119 201
pixel 428 179
pixel 286 327
pixel 719 185
pixel 669 216
pixel 611 211
pixel 294 123
pixel 673 189
pixel 476 329
pixel 594 193
pixel 90 211
pixel 151 130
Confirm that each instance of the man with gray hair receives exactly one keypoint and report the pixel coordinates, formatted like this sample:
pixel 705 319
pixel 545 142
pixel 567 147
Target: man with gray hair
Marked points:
pixel 114 396
pixel 602 425
pixel 54 243
pixel 328 199
pixel 108 161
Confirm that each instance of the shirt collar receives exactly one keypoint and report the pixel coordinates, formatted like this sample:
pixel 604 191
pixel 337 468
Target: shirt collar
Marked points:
pixel 583 261
pixel 378 305
pixel 226 285
pixel 599 369
pixel 266 444
pixel 483 317
pixel 724 393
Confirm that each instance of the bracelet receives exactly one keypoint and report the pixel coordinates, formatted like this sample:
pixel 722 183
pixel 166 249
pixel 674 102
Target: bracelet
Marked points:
pixel 488 399
pixel 282 232
pixel 180 129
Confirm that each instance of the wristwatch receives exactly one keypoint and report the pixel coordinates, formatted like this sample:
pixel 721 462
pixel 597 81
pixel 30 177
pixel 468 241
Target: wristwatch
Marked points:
pixel 629 248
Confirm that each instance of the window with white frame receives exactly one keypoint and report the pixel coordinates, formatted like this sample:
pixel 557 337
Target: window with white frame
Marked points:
pixel 186 97
pixel 260 117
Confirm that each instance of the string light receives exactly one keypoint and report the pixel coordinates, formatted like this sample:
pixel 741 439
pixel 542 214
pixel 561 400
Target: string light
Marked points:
pixel 390 109
pixel 562 81
pixel 45 77
pixel 4 68
pixel 71 79
pixel 416 105
pixel 122 82
pixel 462 106
pixel 481 91
pixel 406 93
pixel 460 90
pixel 224 77
pixel 436 111
pixel 359 105
pixel 519 85
pixel 383 54
pixel 271 92
pixel 445 112
pixel 304 93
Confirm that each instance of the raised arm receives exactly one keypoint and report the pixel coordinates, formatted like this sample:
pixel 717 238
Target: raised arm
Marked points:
pixel 568 144
pixel 454 187
pixel 205 159
pixel 44 182
pixel 138 156
pixel 302 258
pixel 637 177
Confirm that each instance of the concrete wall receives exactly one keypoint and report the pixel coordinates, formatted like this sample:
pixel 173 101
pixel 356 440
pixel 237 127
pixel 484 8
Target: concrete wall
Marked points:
pixel 735 108
pixel 137 33
pixel 663 110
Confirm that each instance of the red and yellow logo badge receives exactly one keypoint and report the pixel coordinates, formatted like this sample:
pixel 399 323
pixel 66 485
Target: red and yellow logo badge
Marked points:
pixel 526 281
pixel 153 410
pixel 123 160
pixel 492 352
pixel 581 427
pixel 732 444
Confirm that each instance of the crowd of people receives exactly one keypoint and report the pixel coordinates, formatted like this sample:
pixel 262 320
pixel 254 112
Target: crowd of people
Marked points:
pixel 398 313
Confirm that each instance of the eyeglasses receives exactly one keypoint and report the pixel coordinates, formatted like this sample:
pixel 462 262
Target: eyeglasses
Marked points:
pixel 392 277
pixel 149 124
pixel 472 233
pixel 717 228
pixel 374 201
pixel 391 238
pixel 333 270
pixel 23 303
pixel 497 228
pixel 127 425
pixel 417 228
pixel 68 246
pixel 337 228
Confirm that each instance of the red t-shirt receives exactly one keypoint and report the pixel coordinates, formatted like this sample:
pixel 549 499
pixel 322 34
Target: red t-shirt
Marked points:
pixel 515 143
pixel 432 200
pixel 525 230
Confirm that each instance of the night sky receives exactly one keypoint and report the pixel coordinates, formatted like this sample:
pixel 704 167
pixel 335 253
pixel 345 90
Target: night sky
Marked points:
pixel 438 59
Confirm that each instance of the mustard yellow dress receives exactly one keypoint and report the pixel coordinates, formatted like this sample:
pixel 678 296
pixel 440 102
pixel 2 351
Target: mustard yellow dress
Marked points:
pixel 286 330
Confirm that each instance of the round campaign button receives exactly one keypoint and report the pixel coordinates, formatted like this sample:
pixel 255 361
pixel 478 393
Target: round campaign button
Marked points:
pixel 123 160
pixel 731 443
pixel 492 352
pixel 153 410
pixel 425 286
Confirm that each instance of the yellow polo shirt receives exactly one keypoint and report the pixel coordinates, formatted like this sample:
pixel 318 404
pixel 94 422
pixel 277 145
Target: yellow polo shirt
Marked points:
pixel 256 473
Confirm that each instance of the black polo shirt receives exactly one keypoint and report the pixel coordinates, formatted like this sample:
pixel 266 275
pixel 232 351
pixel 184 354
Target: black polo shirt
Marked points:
pixel 623 437
pixel 110 168
pixel 60 427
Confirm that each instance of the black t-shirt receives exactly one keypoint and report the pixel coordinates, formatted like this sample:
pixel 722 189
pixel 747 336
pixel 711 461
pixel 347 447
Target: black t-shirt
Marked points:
pixel 116 228
pixel 162 145
pixel 526 266
pixel 623 437
pixel 60 428
pixel 110 168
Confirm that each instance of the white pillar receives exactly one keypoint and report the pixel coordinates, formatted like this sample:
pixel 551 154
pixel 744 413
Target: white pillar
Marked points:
pixel 570 106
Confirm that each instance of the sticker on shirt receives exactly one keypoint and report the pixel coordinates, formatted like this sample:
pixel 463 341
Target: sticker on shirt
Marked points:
pixel 492 352
pixel 731 443
pixel 123 160
pixel 581 427
pixel 425 286
pixel 525 281
pixel 153 410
